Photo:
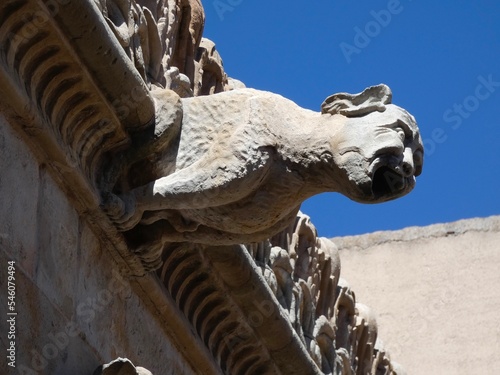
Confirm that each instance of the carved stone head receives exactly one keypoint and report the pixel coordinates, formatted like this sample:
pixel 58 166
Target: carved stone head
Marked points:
pixel 379 149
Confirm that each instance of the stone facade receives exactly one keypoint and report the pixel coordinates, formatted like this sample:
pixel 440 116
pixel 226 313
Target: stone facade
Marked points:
pixel 150 204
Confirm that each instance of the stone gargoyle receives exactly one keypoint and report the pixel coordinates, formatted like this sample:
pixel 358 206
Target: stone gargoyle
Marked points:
pixel 236 166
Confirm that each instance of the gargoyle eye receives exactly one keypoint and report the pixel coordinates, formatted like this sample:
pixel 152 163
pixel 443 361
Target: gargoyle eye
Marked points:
pixel 401 134
pixel 404 131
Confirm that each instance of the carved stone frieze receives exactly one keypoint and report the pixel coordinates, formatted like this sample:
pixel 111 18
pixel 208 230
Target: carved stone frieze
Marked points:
pixel 223 295
pixel 163 39
pixel 59 80
pixel 303 271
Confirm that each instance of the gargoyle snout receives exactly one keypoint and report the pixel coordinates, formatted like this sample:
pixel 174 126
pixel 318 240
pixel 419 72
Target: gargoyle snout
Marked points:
pixel 408 165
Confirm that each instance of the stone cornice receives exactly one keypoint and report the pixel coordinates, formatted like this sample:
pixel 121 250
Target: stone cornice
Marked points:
pixel 224 295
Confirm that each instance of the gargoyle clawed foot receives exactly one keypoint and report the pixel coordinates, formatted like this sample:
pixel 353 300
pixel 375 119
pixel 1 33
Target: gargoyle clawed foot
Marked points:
pixel 121 210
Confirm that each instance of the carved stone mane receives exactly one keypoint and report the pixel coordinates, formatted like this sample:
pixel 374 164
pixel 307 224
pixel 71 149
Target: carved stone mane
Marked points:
pixel 163 39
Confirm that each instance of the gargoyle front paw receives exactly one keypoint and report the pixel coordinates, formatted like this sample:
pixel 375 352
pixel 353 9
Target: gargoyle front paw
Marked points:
pixel 121 210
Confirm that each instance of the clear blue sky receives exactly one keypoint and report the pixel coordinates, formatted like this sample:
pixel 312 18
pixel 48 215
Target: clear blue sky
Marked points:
pixel 441 60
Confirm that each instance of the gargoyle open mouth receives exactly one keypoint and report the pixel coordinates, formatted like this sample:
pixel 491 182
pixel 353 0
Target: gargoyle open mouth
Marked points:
pixel 388 180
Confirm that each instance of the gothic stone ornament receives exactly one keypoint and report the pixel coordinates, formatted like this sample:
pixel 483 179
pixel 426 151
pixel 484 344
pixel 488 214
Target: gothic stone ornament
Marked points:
pixel 242 162
pixel 220 170
pixel 303 271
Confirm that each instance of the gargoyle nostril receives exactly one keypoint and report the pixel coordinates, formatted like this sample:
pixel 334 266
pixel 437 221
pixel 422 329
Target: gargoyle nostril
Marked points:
pixel 407 165
pixel 407 169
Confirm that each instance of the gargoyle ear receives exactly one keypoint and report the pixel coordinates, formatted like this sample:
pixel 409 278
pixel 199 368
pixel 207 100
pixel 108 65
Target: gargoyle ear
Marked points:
pixel 372 99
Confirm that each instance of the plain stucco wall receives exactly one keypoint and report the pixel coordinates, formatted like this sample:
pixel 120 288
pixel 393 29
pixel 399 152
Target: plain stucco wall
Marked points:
pixel 436 291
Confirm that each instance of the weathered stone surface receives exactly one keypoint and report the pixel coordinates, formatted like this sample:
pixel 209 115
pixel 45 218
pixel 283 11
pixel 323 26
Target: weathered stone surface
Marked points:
pixel 19 177
pixel 57 231
pixel 303 271
pixel 163 40
pixel 75 310
pixel 47 340
pixel 245 160
pixel 436 291
pixel 114 99
pixel 121 366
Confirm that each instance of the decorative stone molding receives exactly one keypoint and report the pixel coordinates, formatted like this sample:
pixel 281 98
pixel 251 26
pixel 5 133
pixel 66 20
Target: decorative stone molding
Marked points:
pixel 61 96
pixel 163 39
pixel 303 270
pixel 210 77
pixel 67 80
pixel 222 294
pixel 277 307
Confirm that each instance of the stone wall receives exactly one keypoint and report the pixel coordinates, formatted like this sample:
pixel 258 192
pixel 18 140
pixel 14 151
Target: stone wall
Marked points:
pixel 74 311
pixel 436 290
